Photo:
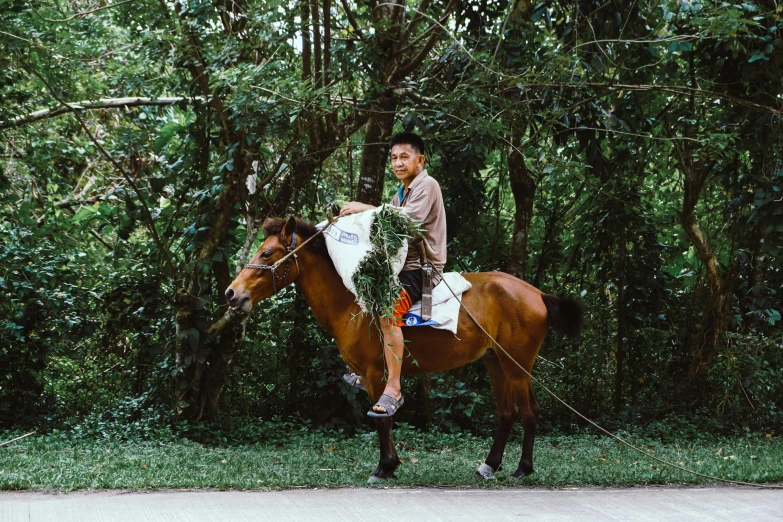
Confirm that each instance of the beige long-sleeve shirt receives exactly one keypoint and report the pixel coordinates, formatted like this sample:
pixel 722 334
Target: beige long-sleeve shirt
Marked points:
pixel 424 203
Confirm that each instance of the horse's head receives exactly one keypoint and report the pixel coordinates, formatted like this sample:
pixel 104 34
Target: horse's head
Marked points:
pixel 260 278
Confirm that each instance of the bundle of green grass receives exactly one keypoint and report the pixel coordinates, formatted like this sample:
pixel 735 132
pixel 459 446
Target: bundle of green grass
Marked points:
pixel 377 285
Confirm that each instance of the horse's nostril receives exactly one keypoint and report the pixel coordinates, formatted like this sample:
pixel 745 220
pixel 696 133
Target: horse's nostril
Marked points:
pixel 229 294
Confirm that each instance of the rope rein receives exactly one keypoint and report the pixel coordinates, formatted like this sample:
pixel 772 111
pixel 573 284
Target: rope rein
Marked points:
pixel 600 428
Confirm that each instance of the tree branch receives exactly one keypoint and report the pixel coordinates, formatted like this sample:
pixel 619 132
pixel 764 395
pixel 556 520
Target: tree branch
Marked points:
pixel 101 241
pixel 413 95
pixel 230 316
pixel 352 20
pixel 327 22
pixel 67 205
pixel 319 78
pixel 81 13
pixel 252 232
pixel 307 48
pixel 103 103
pixel 417 18
pixel 145 210
pixel 416 60
pixel 197 66
pixel 68 202
pixel 674 89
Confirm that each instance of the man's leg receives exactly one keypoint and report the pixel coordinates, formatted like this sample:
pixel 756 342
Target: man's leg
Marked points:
pixel 393 343
pixel 393 351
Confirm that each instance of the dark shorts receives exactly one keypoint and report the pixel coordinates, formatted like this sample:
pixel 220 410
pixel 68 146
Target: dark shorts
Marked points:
pixel 411 280
pixel 411 292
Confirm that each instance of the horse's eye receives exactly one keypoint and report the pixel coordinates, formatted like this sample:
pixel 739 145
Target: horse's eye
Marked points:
pixel 266 255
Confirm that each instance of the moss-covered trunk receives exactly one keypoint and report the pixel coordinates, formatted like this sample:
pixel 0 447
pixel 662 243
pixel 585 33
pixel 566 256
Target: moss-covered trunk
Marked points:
pixel 523 186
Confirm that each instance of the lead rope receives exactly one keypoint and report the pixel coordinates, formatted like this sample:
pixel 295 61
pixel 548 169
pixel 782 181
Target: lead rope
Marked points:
pixel 604 430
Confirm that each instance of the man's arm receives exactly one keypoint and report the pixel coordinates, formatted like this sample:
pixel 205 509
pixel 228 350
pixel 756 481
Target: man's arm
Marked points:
pixel 354 207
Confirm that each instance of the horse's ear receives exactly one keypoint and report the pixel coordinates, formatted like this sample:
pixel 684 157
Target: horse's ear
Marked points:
pixel 290 226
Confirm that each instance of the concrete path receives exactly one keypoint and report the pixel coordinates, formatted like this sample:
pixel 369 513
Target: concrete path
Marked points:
pixel 398 505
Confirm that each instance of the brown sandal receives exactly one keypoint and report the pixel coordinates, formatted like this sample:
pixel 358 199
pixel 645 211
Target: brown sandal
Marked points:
pixel 352 379
pixel 389 403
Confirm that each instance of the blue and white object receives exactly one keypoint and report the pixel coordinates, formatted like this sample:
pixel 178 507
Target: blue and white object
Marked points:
pixel 445 306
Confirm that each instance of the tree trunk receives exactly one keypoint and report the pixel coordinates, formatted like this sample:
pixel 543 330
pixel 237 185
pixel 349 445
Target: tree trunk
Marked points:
pixel 204 353
pixel 523 186
pixel 295 348
pixel 696 169
pixel 425 387
pixel 23 364
pixel 376 151
pixel 705 340
pixel 543 260
pixel 388 21
pixel 200 371
pixel 219 358
pixel 620 347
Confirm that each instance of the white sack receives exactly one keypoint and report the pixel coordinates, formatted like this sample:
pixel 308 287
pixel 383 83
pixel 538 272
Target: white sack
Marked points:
pixel 348 242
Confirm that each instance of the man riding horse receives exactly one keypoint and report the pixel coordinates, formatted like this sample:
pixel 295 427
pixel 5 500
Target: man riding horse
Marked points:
pixel 506 326
pixel 420 195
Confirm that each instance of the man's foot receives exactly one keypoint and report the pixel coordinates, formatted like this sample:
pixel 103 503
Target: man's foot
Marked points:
pixel 386 406
pixel 354 380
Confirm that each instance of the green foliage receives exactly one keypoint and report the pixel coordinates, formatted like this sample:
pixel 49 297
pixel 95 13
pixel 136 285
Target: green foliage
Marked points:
pixel 44 310
pixel 608 108
pixel 747 375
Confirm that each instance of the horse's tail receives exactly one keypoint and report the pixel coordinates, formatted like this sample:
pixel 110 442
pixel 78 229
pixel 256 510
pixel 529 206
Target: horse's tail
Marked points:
pixel 565 315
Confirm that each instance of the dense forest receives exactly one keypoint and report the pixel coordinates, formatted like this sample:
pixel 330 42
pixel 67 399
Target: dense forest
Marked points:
pixel 625 152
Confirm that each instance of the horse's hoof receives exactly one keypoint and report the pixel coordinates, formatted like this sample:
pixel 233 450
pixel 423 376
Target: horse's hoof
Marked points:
pixel 485 472
pixel 375 479
pixel 519 474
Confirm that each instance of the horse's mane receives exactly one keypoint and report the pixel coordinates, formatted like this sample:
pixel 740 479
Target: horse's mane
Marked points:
pixel 304 229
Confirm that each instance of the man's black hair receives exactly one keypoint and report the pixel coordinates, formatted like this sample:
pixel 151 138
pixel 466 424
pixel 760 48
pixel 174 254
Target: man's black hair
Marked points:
pixel 407 138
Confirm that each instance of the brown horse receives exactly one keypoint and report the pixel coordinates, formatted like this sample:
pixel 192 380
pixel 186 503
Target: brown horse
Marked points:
pixel 515 313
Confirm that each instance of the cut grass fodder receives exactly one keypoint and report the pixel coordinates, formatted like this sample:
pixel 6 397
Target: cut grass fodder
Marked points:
pixel 377 285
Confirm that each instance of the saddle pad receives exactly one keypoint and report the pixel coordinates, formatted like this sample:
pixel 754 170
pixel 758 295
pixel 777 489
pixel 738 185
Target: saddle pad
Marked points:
pixel 445 306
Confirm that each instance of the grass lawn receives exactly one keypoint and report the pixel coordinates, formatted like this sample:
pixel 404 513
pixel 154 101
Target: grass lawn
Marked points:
pixel 321 460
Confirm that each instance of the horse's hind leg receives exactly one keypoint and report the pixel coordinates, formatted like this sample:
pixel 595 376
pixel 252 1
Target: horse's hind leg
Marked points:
pixel 530 410
pixel 507 411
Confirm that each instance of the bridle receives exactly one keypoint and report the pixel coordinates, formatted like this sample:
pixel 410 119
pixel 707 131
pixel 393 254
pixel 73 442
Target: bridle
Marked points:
pixel 273 268
pixel 291 249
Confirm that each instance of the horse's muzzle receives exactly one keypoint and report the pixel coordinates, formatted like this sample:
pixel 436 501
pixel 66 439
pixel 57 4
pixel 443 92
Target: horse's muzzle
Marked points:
pixel 238 301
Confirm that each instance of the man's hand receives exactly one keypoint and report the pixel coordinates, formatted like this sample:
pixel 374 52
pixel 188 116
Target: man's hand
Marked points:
pixel 354 207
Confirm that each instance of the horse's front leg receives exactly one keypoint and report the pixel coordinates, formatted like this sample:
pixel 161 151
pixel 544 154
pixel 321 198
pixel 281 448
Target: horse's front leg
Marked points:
pixel 389 459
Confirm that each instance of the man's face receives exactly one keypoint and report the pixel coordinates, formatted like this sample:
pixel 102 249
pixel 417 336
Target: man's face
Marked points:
pixel 406 162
